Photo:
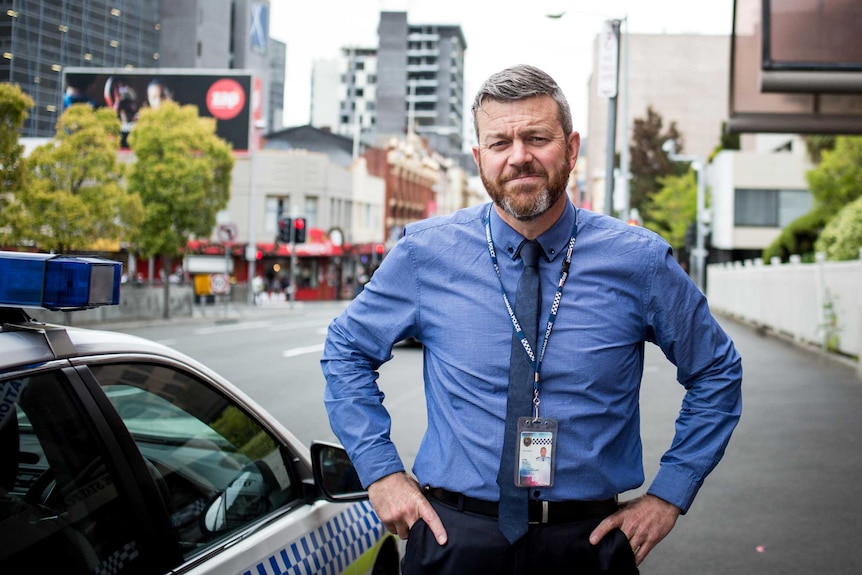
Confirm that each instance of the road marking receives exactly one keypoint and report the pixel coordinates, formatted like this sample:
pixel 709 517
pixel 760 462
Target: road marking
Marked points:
pixel 281 326
pixel 231 327
pixel 302 350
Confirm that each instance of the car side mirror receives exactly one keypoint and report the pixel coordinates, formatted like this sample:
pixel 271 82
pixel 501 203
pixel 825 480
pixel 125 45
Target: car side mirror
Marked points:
pixel 335 474
pixel 245 498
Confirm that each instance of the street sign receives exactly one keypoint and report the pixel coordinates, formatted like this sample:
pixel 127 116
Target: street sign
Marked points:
pixel 219 284
pixel 609 48
pixel 226 233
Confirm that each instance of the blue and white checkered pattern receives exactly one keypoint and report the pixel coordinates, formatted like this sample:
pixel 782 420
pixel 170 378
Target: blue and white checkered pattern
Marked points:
pixel 330 548
pixel 117 560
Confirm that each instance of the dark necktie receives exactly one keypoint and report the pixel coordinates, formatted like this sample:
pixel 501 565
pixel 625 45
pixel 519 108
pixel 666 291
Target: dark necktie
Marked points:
pixel 513 500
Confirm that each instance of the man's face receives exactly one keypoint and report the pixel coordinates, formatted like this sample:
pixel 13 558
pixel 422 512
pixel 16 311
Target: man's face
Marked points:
pixel 524 159
pixel 543 451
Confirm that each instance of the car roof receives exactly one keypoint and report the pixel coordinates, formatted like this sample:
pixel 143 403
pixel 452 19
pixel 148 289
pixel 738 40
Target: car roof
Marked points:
pixel 25 344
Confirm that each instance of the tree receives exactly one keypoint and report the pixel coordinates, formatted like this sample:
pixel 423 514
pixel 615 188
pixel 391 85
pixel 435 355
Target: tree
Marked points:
pixel 182 173
pixel 798 237
pixel 842 237
pixel 14 106
pixel 834 183
pixel 674 208
pixel 837 180
pixel 648 162
pixel 816 144
pixel 75 199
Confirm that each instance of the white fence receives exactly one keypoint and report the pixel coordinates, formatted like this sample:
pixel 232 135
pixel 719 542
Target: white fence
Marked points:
pixel 814 303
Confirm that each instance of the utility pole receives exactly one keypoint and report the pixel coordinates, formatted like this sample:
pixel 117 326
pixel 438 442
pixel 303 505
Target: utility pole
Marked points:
pixel 608 83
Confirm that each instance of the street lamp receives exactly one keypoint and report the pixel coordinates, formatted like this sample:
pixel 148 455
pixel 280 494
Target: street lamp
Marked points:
pixel 699 253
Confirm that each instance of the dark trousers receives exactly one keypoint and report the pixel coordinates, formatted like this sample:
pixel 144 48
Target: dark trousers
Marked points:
pixel 476 546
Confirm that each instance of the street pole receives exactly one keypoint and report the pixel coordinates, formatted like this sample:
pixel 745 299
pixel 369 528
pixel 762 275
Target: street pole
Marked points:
pixel 699 253
pixel 610 62
pixel 700 229
pixel 624 148
pixel 251 250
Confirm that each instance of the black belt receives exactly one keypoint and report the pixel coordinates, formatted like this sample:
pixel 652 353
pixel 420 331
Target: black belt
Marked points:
pixel 550 512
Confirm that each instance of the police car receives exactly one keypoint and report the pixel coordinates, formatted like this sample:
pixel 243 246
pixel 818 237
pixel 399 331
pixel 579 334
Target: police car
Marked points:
pixel 122 456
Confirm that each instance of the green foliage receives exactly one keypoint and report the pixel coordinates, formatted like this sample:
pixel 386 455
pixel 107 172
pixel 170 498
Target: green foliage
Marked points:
pixel 834 183
pixel 798 237
pixel 673 208
pixel 837 180
pixel 14 106
pixel 817 144
pixel 76 200
pixel 182 173
pixel 841 239
pixel 648 162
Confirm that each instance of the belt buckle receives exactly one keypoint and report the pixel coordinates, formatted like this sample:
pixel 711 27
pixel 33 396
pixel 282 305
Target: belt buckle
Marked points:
pixel 544 519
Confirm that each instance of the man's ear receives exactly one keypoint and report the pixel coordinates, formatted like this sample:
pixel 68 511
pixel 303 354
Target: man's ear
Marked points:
pixel 574 144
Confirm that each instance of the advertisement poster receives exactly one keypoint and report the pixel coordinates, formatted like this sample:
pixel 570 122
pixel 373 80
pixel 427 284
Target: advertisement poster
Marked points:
pixel 224 96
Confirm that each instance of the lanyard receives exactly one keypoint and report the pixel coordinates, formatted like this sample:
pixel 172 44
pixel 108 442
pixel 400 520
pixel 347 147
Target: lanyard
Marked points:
pixel 552 316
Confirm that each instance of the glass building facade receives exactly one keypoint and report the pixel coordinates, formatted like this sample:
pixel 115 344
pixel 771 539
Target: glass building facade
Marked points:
pixel 39 38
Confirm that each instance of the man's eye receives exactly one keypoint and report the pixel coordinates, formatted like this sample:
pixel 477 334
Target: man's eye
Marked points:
pixel 497 145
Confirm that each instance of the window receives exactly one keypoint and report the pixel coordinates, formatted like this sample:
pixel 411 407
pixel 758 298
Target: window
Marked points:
pixel 769 208
pixel 62 508
pixel 274 208
pixel 219 470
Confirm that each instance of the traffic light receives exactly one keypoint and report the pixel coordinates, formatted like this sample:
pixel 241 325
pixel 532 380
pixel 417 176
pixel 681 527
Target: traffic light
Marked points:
pixel 284 227
pixel 299 230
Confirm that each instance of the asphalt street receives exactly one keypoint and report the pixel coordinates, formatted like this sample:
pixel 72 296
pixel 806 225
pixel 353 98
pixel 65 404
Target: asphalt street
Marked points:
pixel 787 497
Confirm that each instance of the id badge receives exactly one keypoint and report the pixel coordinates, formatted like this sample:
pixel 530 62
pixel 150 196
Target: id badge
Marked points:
pixel 537 441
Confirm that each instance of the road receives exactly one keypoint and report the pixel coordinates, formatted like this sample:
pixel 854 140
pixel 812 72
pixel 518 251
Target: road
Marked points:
pixel 786 499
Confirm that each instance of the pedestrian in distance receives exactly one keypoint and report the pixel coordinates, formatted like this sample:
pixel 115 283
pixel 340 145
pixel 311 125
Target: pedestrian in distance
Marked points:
pixel 533 315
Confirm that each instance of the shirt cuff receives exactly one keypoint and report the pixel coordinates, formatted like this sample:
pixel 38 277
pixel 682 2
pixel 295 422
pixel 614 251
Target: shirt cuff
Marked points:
pixel 378 463
pixel 675 486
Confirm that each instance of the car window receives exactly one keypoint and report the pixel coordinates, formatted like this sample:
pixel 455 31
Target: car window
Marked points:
pixel 62 510
pixel 218 469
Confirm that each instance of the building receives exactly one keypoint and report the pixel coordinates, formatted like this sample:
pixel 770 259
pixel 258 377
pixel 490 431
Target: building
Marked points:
pixel 413 81
pixel 226 34
pixel 41 38
pixel 755 192
pixel 683 77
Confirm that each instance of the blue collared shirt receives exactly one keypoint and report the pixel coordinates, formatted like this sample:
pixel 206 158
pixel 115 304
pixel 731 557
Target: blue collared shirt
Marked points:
pixel 625 288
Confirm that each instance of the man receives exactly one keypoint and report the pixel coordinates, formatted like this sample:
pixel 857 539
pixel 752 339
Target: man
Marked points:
pixel 451 282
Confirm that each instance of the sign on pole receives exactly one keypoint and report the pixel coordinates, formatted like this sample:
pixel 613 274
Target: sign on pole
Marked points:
pixel 609 47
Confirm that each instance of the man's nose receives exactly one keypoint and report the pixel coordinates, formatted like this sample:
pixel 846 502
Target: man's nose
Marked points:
pixel 520 154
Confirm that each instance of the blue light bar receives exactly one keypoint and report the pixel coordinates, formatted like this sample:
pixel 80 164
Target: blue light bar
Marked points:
pixel 57 282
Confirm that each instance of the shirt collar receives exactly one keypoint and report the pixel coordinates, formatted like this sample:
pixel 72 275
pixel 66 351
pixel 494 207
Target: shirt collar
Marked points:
pixel 554 241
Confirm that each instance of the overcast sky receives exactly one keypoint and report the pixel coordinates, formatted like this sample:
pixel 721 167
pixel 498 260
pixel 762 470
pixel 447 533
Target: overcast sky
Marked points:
pixel 498 34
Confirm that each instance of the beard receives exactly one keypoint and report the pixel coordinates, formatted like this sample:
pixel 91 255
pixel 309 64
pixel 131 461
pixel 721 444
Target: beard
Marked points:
pixel 526 202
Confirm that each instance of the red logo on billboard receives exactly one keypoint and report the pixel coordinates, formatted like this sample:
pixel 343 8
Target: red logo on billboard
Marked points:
pixel 225 99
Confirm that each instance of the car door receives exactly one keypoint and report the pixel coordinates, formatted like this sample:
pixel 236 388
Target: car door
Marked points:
pixel 223 476
pixel 69 503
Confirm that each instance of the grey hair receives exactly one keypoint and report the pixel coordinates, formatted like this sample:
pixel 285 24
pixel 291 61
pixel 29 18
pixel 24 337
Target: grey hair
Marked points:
pixel 520 82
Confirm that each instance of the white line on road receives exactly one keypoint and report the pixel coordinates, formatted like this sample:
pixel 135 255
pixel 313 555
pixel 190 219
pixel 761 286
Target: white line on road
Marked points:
pixel 232 327
pixel 302 350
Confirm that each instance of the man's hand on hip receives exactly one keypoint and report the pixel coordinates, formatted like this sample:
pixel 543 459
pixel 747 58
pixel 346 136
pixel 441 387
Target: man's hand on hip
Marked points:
pixel 645 521
pixel 399 503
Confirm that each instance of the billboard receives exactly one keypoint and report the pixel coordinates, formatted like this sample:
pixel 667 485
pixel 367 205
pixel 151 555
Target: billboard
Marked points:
pixel 225 95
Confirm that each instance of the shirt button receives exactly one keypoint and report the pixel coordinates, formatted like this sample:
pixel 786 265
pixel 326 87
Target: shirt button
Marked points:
pixel 537 493
pixel 552 251
pixel 510 249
